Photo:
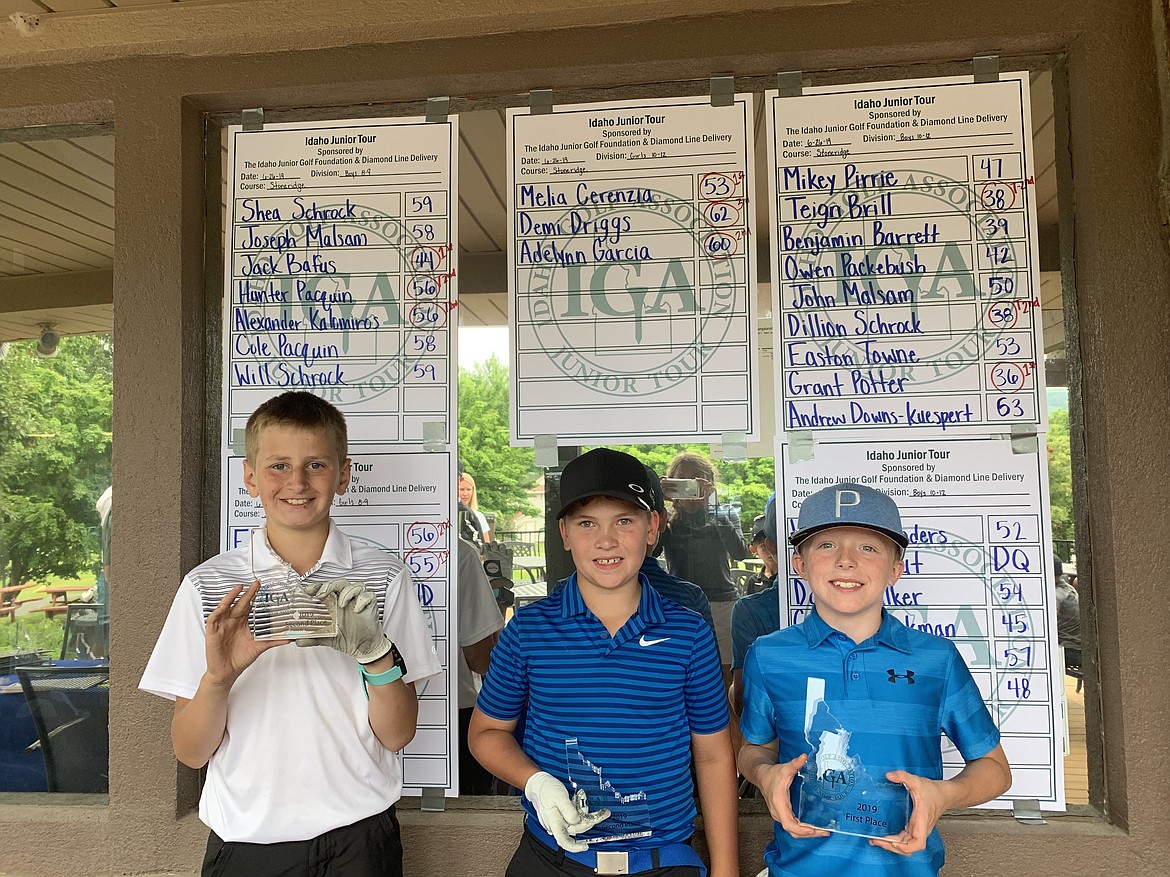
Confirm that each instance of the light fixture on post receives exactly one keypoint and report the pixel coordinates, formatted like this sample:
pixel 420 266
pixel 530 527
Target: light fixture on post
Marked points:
pixel 47 345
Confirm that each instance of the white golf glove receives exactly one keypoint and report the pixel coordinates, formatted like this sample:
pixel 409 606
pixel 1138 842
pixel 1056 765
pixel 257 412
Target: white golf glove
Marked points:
pixel 355 612
pixel 557 814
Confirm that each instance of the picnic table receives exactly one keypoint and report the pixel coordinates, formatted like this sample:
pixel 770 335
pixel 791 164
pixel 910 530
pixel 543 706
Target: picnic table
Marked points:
pixel 59 598
pixel 8 600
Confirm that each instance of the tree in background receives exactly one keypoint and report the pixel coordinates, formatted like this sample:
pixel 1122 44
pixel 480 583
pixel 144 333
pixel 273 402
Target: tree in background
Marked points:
pixel 55 441
pixel 503 474
pixel 1060 475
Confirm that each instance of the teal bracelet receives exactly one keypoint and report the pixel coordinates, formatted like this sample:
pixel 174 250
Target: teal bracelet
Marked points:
pixel 383 678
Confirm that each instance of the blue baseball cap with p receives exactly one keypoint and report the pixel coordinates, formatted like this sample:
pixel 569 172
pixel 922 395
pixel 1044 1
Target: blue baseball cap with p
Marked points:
pixel 849 505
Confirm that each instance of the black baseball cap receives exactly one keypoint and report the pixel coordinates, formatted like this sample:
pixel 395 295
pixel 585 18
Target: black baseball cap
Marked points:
pixel 605 472
pixel 658 499
pixel 759 524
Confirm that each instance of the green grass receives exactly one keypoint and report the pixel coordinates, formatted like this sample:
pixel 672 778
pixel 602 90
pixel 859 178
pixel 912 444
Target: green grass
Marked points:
pixel 35 590
pixel 37 633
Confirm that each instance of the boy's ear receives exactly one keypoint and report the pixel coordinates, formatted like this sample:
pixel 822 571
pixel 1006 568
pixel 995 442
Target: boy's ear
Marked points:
pixel 343 480
pixel 899 568
pixel 652 534
pixel 250 479
pixel 798 563
pixel 564 533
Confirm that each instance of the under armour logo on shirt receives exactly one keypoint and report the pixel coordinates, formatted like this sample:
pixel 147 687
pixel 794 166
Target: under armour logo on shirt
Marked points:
pixel 908 676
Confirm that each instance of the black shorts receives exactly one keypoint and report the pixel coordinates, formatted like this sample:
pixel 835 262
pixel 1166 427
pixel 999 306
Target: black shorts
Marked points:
pixel 371 847
pixel 534 859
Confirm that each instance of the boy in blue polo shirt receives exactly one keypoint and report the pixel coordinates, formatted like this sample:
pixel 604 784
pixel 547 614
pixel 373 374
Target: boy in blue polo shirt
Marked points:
pixel 617 686
pixel 891 690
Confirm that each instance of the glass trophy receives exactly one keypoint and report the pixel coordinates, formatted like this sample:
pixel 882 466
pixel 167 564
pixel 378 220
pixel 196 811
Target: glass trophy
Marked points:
pixel 282 609
pixel 835 791
pixel 629 811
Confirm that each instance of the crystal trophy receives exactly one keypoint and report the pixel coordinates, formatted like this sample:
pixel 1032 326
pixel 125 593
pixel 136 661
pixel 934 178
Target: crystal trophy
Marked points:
pixel 629 811
pixel 834 790
pixel 283 610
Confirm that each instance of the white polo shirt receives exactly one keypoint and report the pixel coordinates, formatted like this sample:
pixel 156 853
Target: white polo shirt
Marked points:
pixel 298 757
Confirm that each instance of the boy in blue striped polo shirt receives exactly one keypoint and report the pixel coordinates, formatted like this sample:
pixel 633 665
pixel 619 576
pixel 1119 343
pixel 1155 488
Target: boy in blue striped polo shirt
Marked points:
pixel 889 692
pixel 617 686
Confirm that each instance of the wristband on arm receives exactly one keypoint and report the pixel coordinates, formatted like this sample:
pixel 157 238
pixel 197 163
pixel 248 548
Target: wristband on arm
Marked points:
pixel 386 676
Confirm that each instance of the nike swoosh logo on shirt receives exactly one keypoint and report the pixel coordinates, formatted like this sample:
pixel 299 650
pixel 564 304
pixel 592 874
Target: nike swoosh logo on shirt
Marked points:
pixel 643 642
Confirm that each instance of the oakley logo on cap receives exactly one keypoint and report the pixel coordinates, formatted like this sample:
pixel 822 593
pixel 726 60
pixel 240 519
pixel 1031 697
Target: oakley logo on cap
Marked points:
pixel 847 499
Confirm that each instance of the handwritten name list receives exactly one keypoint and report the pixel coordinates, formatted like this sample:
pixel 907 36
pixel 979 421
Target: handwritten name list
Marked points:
pixel 976 572
pixel 632 271
pixel 904 256
pixel 340 270
pixel 340 281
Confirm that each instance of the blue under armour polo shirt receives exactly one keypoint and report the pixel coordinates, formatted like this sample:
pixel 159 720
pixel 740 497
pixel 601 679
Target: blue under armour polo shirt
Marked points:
pixel 631 702
pixel 897 692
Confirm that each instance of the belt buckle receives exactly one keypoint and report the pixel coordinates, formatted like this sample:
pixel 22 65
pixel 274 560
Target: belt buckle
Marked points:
pixel 612 863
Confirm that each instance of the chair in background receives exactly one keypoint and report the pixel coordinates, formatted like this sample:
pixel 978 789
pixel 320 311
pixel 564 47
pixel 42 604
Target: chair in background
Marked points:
pixel 741 577
pixel 521 549
pixel 526 559
pixel 70 708
pixel 87 629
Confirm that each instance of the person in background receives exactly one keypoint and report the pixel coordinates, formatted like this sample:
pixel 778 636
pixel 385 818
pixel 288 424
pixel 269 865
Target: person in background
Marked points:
pixel 469 500
pixel 756 614
pixel 1068 616
pixel 764 548
pixel 700 546
pixel 480 623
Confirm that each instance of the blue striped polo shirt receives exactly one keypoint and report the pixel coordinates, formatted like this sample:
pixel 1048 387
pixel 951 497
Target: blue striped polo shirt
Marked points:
pixel 612 713
pixel 896 724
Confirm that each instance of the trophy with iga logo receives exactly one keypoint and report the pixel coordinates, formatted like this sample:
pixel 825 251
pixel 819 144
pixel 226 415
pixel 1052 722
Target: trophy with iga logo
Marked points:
pixel 834 790
pixel 282 609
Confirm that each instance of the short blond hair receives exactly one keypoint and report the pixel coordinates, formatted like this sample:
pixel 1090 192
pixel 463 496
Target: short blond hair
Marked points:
pixel 302 411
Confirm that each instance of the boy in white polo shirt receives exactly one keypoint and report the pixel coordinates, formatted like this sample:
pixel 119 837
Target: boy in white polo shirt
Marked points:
pixel 301 744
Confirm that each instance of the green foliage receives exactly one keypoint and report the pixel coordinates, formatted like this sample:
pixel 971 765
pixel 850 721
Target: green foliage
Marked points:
pixel 55 440
pixel 40 634
pixel 502 474
pixel 1060 475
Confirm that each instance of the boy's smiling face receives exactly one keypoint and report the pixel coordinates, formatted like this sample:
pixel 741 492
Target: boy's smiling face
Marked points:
pixel 608 539
pixel 849 569
pixel 295 474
